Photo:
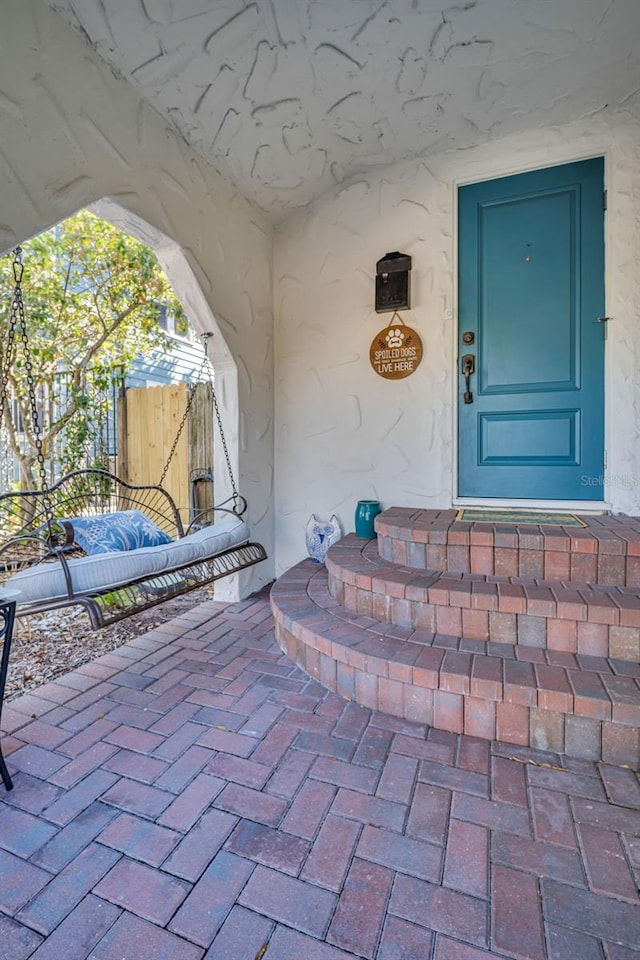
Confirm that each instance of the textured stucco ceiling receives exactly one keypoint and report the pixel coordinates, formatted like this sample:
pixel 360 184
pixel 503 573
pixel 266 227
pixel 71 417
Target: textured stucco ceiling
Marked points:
pixel 288 98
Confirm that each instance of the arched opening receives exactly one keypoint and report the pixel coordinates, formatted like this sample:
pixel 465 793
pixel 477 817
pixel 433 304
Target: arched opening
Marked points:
pixel 189 293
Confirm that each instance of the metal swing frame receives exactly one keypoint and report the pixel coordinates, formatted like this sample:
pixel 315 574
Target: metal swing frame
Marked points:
pixel 32 535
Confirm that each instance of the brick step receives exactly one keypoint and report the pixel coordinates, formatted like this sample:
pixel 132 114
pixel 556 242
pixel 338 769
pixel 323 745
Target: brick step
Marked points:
pixel 577 705
pixel 596 620
pixel 605 551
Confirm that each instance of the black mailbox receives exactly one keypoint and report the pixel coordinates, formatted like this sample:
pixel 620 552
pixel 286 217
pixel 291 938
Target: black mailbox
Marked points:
pixel 392 282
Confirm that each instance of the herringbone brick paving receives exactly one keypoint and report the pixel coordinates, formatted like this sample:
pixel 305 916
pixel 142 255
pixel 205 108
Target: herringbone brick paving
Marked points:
pixel 195 795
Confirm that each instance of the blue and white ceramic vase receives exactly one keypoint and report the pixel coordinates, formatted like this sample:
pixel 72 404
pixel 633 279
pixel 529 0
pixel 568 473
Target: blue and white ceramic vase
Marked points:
pixel 366 512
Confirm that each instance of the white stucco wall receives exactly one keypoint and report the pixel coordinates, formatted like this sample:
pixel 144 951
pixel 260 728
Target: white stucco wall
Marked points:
pixel 342 432
pixel 72 133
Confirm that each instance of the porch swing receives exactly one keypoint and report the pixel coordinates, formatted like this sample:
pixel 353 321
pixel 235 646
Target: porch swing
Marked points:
pixel 95 541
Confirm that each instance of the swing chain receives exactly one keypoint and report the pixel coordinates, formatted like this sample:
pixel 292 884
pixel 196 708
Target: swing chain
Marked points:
pixel 8 348
pixel 165 469
pixel 185 415
pixel 18 320
pixel 239 503
pixel 6 357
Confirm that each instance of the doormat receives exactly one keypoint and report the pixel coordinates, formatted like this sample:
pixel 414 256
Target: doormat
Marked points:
pixel 519 516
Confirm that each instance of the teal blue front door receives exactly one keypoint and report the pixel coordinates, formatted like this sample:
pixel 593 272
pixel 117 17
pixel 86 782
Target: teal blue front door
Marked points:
pixel 531 302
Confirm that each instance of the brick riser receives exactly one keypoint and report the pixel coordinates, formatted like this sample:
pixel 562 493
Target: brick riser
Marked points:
pixel 606 551
pixel 572 618
pixel 515 694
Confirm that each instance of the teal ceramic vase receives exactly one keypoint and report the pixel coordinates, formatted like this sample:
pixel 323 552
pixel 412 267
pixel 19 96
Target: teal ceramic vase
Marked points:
pixel 366 512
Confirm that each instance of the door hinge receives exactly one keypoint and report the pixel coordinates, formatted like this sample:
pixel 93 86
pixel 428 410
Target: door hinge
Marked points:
pixel 606 464
pixel 604 200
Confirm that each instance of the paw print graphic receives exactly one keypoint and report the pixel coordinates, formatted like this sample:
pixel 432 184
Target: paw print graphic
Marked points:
pixel 395 337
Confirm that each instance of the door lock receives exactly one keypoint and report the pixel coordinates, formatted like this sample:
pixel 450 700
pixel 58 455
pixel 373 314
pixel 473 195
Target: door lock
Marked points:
pixel 468 368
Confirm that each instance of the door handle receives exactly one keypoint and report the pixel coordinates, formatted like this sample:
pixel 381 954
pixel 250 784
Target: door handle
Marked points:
pixel 468 368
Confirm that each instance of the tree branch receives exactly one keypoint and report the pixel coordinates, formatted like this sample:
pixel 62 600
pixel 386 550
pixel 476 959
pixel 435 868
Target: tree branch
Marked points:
pixel 95 348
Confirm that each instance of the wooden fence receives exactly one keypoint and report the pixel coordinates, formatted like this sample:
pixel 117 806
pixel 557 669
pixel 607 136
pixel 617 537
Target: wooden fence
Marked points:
pixel 148 422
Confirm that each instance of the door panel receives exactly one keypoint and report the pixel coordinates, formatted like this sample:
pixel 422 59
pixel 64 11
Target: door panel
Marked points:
pixel 531 291
pixel 529 436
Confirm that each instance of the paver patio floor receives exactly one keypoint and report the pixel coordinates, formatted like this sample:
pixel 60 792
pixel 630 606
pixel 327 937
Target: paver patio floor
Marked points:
pixel 195 795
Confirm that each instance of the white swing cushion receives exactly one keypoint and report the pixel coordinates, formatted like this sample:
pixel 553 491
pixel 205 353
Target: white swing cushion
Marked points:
pixel 107 571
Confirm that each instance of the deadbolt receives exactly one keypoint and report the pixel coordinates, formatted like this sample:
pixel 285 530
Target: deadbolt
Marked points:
pixel 468 337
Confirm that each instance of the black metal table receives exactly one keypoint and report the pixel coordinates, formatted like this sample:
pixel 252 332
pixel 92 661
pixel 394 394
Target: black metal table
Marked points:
pixel 7 619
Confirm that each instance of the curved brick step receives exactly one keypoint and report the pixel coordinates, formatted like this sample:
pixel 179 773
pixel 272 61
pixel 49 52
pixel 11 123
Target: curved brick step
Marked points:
pixel 584 707
pixel 606 550
pixel 601 621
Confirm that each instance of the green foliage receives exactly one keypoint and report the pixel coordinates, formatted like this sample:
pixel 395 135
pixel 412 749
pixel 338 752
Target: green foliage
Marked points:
pixel 91 296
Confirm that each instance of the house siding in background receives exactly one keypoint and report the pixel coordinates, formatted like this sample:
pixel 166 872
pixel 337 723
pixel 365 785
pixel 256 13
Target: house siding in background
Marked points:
pixel 160 367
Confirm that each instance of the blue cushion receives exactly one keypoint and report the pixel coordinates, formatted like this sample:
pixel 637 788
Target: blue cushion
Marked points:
pixel 113 532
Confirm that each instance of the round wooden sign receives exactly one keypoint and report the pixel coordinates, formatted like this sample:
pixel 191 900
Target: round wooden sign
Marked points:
pixel 396 352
